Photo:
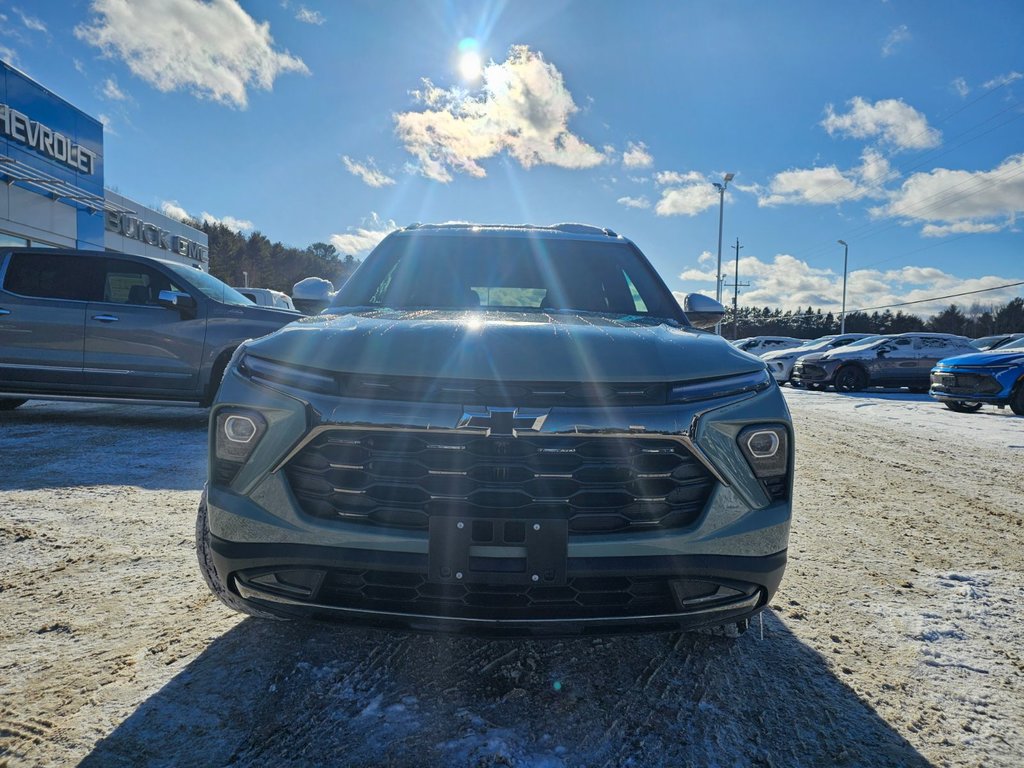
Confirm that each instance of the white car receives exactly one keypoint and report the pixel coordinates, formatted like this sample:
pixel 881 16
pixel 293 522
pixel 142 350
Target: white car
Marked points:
pixel 267 297
pixel 759 345
pixel 781 363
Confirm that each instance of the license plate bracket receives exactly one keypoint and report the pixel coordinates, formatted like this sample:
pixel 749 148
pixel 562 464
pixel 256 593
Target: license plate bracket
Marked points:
pixel 503 551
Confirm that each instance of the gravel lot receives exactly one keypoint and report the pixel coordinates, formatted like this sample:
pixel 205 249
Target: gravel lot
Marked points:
pixel 893 641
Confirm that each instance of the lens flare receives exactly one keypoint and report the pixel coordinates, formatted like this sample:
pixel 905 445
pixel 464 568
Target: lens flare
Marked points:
pixel 470 65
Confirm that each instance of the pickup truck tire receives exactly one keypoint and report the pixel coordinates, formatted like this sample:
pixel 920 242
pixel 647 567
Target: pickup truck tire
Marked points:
pixel 216 377
pixel 962 406
pixel 10 403
pixel 209 571
pixel 850 378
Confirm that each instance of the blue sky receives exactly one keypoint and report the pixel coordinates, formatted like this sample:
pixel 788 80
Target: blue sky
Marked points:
pixel 896 126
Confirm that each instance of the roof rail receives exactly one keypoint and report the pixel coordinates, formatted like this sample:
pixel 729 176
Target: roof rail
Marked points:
pixel 567 228
pixel 583 229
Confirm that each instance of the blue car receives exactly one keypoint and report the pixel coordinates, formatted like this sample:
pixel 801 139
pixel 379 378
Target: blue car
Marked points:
pixel 967 382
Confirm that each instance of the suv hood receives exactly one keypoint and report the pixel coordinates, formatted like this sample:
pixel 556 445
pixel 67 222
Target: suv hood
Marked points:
pixel 785 354
pixel 504 346
pixel 982 359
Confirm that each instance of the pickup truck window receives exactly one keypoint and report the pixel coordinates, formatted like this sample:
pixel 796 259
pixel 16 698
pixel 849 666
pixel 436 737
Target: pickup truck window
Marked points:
pixel 519 273
pixel 53 276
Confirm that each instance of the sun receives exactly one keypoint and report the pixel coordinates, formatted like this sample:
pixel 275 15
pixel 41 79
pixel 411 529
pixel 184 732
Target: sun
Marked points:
pixel 470 65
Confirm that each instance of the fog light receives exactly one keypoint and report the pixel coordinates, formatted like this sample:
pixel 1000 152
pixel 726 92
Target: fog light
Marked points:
pixel 235 435
pixel 766 448
pixel 239 429
pixel 763 444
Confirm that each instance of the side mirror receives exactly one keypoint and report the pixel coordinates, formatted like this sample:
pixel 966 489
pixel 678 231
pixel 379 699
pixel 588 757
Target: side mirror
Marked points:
pixel 176 300
pixel 702 311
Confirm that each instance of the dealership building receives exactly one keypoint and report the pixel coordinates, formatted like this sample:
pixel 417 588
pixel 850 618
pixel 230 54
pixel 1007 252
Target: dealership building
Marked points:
pixel 53 192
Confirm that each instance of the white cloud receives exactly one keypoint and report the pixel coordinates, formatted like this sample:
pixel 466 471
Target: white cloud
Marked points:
pixel 686 201
pixel 997 82
pixel 9 55
pixel 961 87
pixel 307 16
pixel 788 282
pixel 232 223
pixel 112 91
pixel 108 124
pixel 215 49
pixel 828 185
pixel 960 201
pixel 961 227
pixel 523 108
pixel 367 171
pixel 898 36
pixel 363 238
pixel 175 211
pixel 30 22
pixel 664 178
pixel 637 156
pixel 892 120
pixel 634 202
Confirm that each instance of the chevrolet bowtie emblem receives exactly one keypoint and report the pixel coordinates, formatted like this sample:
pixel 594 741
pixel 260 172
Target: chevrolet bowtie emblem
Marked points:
pixel 503 421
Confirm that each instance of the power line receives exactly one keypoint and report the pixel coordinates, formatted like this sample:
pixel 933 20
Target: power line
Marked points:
pixel 940 298
pixel 901 304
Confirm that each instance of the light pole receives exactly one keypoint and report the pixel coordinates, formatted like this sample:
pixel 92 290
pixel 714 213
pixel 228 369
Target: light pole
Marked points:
pixel 721 209
pixel 842 316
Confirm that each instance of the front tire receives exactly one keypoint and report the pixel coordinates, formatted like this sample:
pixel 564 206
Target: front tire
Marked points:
pixel 962 406
pixel 209 570
pixel 850 379
pixel 10 403
pixel 1017 401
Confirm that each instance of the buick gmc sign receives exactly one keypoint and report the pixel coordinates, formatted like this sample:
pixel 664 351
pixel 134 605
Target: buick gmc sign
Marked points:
pixel 135 228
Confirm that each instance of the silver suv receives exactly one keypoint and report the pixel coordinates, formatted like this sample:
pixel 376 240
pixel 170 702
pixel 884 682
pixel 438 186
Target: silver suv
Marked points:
pixel 499 429
pixel 899 360
pixel 109 326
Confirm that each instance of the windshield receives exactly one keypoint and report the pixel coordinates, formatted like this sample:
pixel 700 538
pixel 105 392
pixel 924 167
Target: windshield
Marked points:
pixel 520 272
pixel 1017 345
pixel 870 341
pixel 210 286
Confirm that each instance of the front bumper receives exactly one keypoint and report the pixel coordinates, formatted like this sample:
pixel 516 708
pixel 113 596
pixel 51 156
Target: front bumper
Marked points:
pixel 976 385
pixel 605 595
pixel 782 370
pixel 730 559
pixel 814 373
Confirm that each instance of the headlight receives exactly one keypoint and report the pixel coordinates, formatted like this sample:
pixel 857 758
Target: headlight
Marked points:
pixel 724 387
pixel 311 380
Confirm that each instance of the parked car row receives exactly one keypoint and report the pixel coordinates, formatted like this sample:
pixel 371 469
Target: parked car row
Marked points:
pixel 961 373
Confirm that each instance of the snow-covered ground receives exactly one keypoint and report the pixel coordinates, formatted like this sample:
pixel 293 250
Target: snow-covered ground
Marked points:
pixel 893 641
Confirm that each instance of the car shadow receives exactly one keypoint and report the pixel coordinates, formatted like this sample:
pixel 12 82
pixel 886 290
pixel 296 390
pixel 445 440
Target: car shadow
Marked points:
pixel 155 447
pixel 267 693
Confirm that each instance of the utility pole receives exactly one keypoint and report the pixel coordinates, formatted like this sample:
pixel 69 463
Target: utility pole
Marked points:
pixel 736 284
pixel 721 209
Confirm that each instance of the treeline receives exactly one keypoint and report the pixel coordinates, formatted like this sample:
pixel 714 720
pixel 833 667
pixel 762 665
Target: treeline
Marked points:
pixel 973 321
pixel 271 265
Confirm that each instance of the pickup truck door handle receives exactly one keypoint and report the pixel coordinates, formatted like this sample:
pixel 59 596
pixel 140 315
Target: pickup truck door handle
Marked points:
pixel 5 312
pixel 106 318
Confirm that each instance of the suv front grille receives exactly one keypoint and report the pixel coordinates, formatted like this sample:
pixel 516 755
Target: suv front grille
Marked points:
pixel 965 383
pixel 599 485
